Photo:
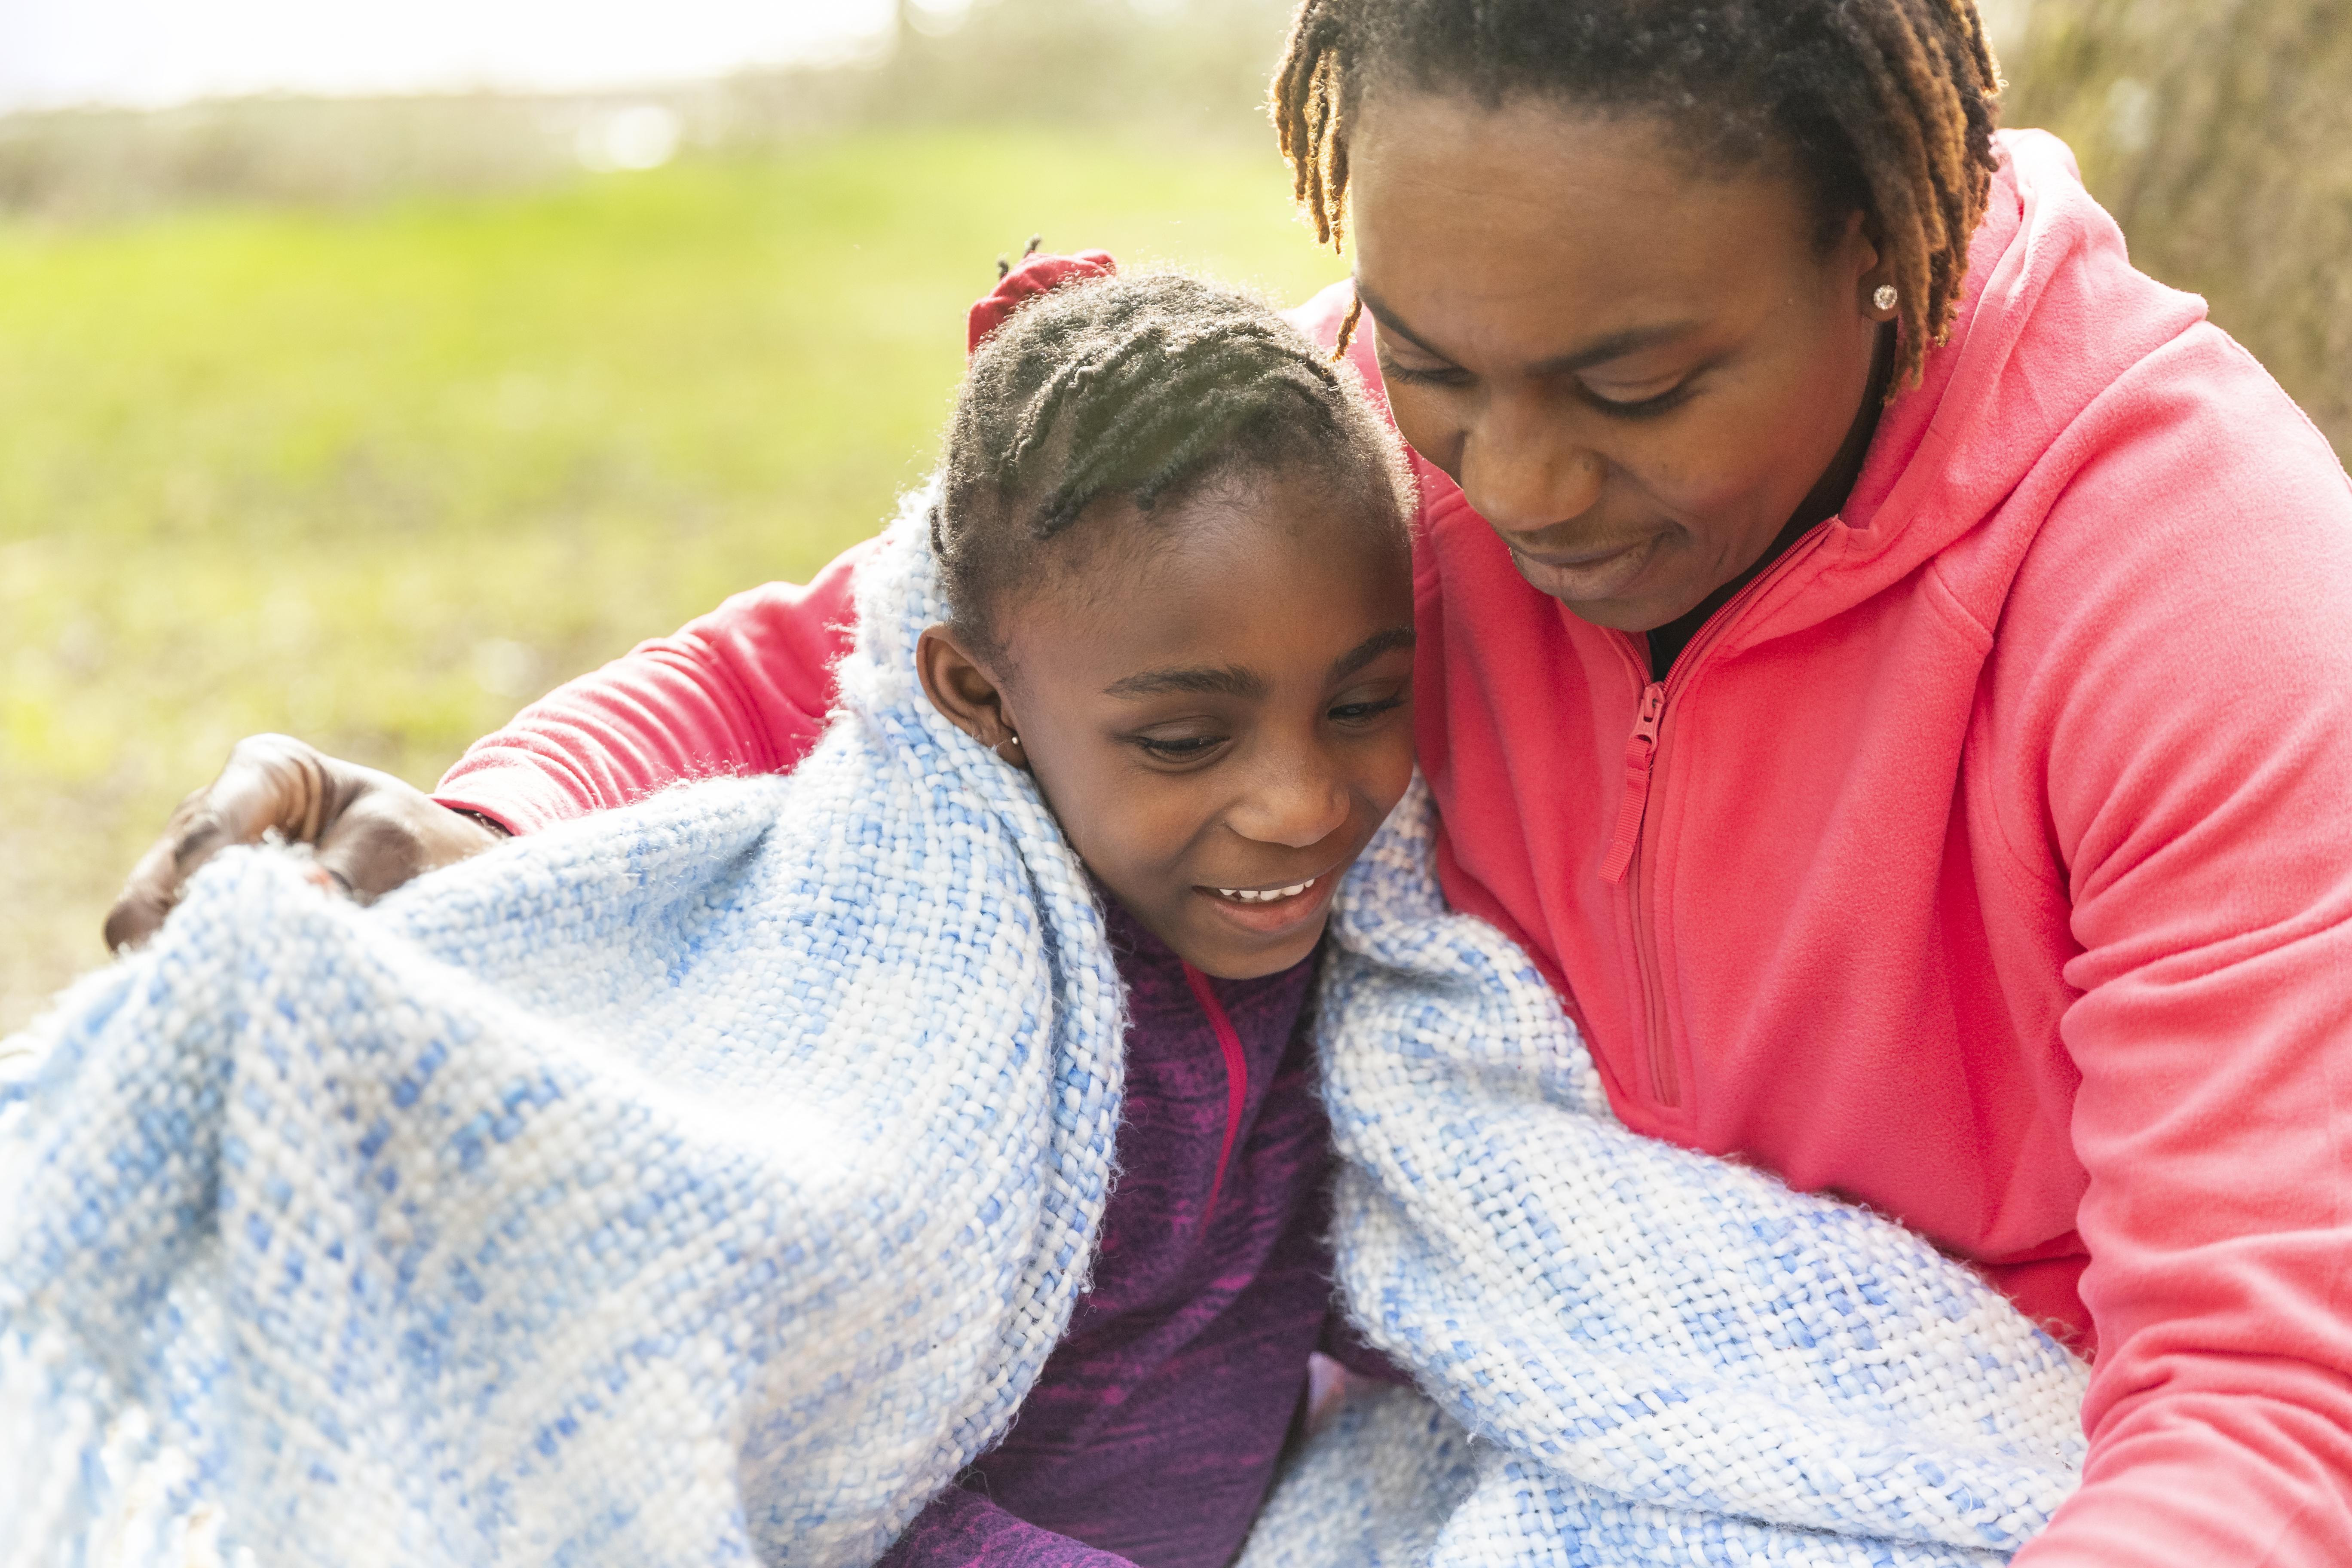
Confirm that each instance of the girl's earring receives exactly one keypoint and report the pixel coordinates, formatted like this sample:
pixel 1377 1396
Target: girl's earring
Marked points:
pixel 1885 297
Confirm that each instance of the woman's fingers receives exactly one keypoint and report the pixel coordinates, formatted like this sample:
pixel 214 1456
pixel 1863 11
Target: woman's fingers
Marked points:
pixel 372 831
pixel 270 781
pixel 391 831
pixel 147 895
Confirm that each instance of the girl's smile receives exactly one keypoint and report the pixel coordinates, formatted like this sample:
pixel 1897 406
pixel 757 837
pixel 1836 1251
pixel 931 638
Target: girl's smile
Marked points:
pixel 1272 911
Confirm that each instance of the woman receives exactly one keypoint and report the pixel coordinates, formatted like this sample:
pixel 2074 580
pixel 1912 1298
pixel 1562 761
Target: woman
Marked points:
pixel 1881 655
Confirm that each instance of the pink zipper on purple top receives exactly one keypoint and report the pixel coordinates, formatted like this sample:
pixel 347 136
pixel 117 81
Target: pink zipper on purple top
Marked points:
pixel 1236 1075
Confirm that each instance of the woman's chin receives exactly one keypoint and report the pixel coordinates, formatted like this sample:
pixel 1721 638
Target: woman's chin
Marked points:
pixel 1622 592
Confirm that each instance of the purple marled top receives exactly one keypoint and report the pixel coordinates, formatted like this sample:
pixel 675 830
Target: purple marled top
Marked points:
pixel 1152 1435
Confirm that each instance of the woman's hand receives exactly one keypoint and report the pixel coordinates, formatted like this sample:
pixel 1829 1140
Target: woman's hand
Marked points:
pixel 370 831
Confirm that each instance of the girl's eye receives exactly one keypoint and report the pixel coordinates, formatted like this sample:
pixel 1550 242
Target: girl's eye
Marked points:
pixel 1179 748
pixel 1361 712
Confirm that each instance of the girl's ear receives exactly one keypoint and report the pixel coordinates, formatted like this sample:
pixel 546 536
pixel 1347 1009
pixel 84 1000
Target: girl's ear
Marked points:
pixel 967 693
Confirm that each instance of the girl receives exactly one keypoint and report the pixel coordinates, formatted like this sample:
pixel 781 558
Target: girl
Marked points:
pixel 1173 534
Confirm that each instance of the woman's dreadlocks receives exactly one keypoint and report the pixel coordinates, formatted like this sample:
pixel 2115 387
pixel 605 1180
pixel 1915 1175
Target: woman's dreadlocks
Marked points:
pixel 1146 388
pixel 1887 105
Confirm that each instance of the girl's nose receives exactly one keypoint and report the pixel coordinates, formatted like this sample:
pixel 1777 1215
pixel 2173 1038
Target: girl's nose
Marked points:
pixel 1523 469
pixel 1298 805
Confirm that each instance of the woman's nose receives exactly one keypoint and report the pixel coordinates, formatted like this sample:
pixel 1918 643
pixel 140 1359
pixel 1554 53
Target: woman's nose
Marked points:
pixel 1297 804
pixel 1523 469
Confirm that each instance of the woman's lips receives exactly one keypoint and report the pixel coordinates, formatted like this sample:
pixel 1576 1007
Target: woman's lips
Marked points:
pixel 1577 576
pixel 1269 911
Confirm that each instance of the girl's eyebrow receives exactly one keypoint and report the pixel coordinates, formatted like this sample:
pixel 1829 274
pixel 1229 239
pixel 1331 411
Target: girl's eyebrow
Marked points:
pixel 1370 649
pixel 1231 681
pixel 1203 680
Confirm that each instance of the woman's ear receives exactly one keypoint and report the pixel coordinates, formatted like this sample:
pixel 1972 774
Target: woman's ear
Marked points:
pixel 1856 254
pixel 1857 264
pixel 967 693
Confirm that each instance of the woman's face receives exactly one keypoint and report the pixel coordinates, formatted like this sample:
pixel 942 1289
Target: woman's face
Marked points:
pixel 1636 370
pixel 1215 700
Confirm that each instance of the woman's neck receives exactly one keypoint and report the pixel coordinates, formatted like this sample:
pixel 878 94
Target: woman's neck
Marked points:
pixel 1830 491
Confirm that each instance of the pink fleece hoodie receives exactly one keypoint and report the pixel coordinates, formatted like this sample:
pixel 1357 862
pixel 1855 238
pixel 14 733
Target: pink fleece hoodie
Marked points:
pixel 1988 860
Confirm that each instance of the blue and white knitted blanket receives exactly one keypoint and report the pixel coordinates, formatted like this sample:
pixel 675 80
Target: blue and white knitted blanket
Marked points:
pixel 1631 1353
pixel 706 1183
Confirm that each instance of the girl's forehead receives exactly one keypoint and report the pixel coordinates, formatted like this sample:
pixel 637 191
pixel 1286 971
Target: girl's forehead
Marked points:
pixel 1273 575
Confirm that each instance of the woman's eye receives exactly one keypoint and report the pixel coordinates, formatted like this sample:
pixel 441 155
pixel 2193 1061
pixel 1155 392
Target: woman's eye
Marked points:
pixel 1639 407
pixel 1422 376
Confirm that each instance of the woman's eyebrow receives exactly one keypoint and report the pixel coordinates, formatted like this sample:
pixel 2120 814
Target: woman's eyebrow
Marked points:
pixel 1616 345
pixel 1600 350
pixel 1370 649
pixel 1390 321
pixel 1203 680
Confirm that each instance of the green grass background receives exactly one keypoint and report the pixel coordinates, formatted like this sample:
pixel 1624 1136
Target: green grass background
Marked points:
pixel 376 479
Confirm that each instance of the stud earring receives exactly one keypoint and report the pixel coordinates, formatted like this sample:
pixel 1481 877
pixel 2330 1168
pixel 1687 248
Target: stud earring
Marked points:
pixel 1011 740
pixel 1885 297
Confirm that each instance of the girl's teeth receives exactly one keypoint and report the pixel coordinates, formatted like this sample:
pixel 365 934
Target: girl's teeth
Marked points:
pixel 1269 895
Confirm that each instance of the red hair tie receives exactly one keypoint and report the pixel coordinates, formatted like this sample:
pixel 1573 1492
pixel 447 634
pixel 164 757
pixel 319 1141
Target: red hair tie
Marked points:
pixel 1038 274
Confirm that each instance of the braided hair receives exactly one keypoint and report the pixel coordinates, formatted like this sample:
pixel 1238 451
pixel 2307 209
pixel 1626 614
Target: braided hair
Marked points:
pixel 1143 388
pixel 1887 105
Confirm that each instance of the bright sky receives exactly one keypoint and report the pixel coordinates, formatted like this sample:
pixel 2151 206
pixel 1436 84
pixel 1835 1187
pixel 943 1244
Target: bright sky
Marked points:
pixel 55 53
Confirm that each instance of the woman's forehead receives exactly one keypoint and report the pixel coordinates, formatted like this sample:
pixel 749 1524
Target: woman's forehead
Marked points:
pixel 1466 218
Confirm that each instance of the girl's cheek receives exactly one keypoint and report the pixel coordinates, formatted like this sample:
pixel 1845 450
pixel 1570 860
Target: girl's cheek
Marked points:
pixel 1397 777
pixel 1382 772
pixel 1148 826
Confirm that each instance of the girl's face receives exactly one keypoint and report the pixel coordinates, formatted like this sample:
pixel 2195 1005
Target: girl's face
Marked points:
pixel 1215 700
pixel 1636 372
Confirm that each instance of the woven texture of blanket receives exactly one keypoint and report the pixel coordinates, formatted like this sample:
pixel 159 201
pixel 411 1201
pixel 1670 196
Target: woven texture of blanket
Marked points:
pixel 1632 1354
pixel 702 1183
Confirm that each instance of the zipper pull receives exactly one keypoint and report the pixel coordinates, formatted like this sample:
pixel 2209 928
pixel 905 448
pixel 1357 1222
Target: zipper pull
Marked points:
pixel 1639 750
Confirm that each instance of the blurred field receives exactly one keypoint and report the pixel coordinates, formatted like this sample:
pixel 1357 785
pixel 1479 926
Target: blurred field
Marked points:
pixel 376 477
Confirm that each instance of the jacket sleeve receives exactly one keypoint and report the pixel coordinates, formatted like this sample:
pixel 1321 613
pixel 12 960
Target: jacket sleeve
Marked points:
pixel 964 1530
pixel 744 689
pixel 2180 665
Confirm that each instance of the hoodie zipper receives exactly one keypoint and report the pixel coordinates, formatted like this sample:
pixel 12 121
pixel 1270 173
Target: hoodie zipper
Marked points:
pixel 1624 850
pixel 1229 1040
pixel 1624 861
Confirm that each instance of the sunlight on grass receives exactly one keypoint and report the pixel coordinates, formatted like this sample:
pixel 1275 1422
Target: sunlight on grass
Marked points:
pixel 375 480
